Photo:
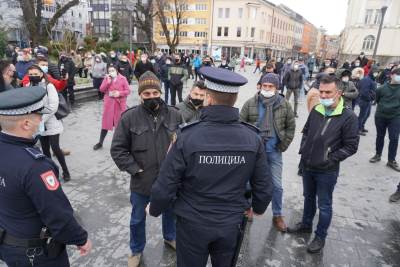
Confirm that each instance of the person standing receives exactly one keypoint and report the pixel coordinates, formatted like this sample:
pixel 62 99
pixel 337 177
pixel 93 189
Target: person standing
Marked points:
pixel 387 117
pixel 143 65
pixel 243 64
pixel 232 63
pixel 258 65
pixel 205 173
pixel 139 146
pixel 87 64
pixel 124 68
pixel 273 115
pixel 164 78
pixel 113 59
pixel 350 92
pixel 24 61
pixel 8 75
pixel 98 72
pixel 77 60
pixel 67 68
pixel 293 80
pixel 311 66
pixel 356 75
pixel 191 107
pixel 330 135
pixel 363 61
pixel 35 214
pixel 367 87
pixel 177 75
pixel 116 89
pixel 197 65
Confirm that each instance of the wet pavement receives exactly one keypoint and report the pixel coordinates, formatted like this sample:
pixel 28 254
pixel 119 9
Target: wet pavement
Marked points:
pixel 365 230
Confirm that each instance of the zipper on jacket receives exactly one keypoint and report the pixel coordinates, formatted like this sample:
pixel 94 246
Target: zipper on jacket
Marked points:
pixel 327 153
pixel 326 126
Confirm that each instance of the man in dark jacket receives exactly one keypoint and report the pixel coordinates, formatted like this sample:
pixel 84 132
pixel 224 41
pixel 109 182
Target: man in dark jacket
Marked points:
pixel 139 146
pixel 293 80
pixel 362 59
pixel 125 69
pixel 177 75
pixel 273 115
pixel 113 59
pixel 190 108
pixel 142 66
pixel 349 89
pixel 330 135
pixel 367 94
pixel 164 77
pixel 67 68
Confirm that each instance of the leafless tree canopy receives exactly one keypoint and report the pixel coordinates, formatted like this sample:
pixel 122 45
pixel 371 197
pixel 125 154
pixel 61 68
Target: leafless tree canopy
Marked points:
pixel 143 15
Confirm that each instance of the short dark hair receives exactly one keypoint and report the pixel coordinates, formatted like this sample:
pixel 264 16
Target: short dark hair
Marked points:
pixel 328 79
pixel 41 59
pixel 396 71
pixel 200 85
pixel 269 66
pixel 225 99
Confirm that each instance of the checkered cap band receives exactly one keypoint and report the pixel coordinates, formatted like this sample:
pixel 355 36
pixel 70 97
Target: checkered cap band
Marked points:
pixel 25 110
pixel 223 88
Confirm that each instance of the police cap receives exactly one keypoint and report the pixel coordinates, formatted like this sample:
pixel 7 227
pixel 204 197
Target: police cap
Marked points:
pixel 222 80
pixel 22 101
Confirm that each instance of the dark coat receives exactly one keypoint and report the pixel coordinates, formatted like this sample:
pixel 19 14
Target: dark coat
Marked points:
pixel 367 87
pixel 141 68
pixel 188 111
pixel 69 67
pixel 125 69
pixel 293 79
pixel 141 141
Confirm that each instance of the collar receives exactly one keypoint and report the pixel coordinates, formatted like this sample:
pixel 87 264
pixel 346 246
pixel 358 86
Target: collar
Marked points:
pixel 11 139
pixel 337 111
pixel 219 113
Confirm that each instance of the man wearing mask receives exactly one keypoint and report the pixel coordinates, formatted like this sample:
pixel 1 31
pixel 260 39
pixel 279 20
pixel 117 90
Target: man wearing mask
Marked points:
pixel 224 64
pixel 330 135
pixel 362 59
pixel 293 80
pixel 164 78
pixel 273 115
pixel 311 66
pixel 143 65
pixel 124 68
pixel 67 67
pixel 268 68
pixel 367 92
pixel 24 61
pixel 349 90
pixel 355 64
pixel 387 117
pixel 190 108
pixel 113 59
pixel 278 66
pixel 177 75
pixel 139 146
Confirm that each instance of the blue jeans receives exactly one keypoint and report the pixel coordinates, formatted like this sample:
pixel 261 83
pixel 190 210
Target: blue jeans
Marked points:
pixel 138 223
pixel 321 185
pixel 365 111
pixel 393 127
pixel 275 165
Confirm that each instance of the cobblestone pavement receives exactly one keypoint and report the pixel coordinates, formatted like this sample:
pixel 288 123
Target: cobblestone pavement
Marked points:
pixel 365 230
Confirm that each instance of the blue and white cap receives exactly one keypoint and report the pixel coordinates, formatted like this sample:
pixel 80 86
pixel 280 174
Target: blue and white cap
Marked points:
pixel 222 80
pixel 22 101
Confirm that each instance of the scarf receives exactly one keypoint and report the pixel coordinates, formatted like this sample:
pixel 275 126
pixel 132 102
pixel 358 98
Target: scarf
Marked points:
pixel 267 122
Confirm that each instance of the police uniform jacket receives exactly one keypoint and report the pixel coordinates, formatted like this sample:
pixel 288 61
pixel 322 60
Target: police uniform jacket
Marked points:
pixel 141 141
pixel 31 196
pixel 205 173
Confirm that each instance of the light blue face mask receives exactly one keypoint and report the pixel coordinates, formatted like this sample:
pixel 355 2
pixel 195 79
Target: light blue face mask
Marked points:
pixel 396 79
pixel 45 69
pixel 327 102
pixel 40 131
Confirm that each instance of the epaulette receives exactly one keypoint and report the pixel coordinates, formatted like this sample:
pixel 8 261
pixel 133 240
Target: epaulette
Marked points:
pixel 251 126
pixel 35 153
pixel 184 126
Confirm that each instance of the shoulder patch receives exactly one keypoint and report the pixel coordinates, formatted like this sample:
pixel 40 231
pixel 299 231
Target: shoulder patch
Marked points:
pixel 35 153
pixel 251 126
pixel 50 180
pixel 185 126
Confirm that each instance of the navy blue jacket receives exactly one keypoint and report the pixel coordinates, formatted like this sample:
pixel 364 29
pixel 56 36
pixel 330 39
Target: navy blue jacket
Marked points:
pixel 367 88
pixel 31 196
pixel 205 173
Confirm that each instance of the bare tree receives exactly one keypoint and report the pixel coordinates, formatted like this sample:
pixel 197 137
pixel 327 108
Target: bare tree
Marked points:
pixel 170 14
pixel 33 19
pixel 143 15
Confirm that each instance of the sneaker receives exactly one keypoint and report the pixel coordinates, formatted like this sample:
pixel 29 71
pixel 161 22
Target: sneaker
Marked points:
pixel 134 260
pixel 97 146
pixel 279 224
pixel 316 245
pixel 375 158
pixel 395 197
pixel 66 177
pixel 171 244
pixel 299 228
pixel 394 165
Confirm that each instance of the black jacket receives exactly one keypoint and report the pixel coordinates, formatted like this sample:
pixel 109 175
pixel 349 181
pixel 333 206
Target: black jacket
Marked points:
pixel 141 68
pixel 293 79
pixel 205 173
pixel 125 69
pixel 141 141
pixel 328 140
pixel 69 67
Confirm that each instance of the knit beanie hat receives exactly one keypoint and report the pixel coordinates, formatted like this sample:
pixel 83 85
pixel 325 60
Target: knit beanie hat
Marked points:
pixel 271 78
pixel 149 80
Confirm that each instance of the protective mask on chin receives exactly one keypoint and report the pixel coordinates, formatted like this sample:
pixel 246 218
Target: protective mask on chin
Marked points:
pixel 267 94
pixel 327 102
pixel 41 129
pixel 152 103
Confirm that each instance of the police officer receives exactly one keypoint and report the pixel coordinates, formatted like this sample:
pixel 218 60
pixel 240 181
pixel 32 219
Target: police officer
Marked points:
pixel 205 173
pixel 36 218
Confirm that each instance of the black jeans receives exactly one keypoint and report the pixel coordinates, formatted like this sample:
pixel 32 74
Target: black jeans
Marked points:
pixel 96 84
pixel 176 89
pixel 69 94
pixel 83 72
pixel 196 73
pixel 166 90
pixel 393 127
pixel 53 141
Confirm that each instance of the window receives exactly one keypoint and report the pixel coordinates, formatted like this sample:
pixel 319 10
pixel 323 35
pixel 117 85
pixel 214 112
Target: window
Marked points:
pixel 261 35
pixel 227 11
pixel 201 21
pixel 184 7
pixel 378 16
pixel 183 21
pixel 240 13
pixel 201 7
pixel 200 34
pixel 253 30
pixel 239 32
pixel 219 31
pixel 183 34
pixel 220 13
pixel 369 43
pixel 253 13
pixel 226 31
pixel 368 16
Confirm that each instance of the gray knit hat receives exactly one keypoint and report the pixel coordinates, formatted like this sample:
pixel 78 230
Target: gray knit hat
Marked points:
pixel 271 78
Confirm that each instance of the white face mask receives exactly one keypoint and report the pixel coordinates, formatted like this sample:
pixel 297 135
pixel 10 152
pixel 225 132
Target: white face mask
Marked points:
pixel 41 129
pixel 296 67
pixel 345 79
pixel 152 61
pixel 267 94
pixel 113 74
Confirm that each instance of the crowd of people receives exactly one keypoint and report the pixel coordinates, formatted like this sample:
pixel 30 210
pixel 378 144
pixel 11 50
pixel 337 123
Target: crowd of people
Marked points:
pixel 168 165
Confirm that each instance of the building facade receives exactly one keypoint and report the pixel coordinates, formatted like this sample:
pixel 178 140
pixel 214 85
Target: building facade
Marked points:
pixel 362 24
pixel 310 36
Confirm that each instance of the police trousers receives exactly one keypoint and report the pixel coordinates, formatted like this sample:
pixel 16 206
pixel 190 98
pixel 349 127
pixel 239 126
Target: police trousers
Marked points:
pixel 195 242
pixel 18 257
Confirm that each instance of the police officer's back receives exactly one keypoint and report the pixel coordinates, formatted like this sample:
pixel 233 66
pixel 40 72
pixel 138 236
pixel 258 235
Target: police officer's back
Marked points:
pixel 36 218
pixel 204 176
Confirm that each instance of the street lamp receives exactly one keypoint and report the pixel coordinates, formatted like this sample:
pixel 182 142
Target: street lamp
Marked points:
pixel 383 10
pixel 130 7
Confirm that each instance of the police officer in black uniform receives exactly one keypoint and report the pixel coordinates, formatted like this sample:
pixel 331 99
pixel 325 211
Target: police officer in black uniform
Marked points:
pixel 205 173
pixel 36 218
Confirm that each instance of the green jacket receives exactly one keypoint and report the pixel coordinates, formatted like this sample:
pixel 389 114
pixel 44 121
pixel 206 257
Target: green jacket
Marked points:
pixel 188 111
pixel 388 99
pixel 284 121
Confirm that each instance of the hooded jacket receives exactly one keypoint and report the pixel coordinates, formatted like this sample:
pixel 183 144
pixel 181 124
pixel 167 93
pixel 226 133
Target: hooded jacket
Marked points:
pixel 349 89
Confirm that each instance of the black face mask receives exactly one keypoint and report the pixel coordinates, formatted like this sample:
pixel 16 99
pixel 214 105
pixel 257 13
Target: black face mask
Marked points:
pixel 35 80
pixel 196 102
pixel 152 103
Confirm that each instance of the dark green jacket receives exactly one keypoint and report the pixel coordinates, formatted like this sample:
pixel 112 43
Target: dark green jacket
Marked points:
pixel 388 99
pixel 188 111
pixel 284 121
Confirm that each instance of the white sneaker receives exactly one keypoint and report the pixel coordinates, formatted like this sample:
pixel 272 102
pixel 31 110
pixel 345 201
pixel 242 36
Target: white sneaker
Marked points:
pixel 134 260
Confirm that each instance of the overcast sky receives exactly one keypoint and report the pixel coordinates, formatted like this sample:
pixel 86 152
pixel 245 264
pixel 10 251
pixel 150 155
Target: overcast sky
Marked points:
pixel 331 14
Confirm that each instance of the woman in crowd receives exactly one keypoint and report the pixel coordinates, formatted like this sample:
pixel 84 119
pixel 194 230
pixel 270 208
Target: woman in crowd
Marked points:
pixel 99 71
pixel 116 89
pixel 50 128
